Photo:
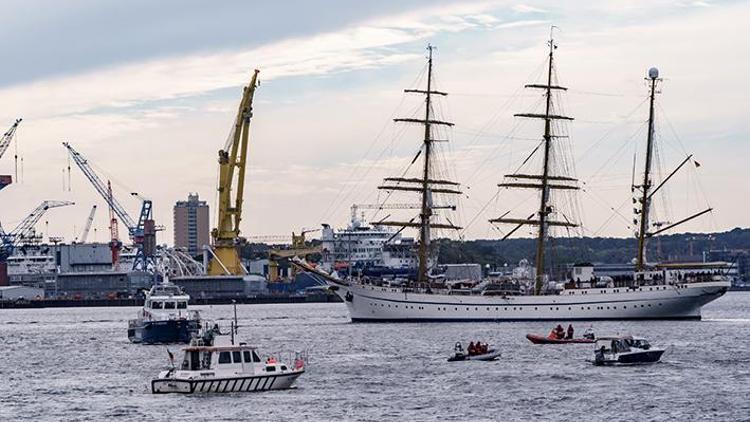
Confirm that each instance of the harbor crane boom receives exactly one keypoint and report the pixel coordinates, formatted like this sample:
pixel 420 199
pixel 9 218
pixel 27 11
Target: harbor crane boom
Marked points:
pixel 142 232
pixel 25 227
pixel 87 227
pixel 225 258
pixel 8 137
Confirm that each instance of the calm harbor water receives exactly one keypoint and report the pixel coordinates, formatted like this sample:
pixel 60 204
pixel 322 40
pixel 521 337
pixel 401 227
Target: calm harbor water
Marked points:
pixel 77 364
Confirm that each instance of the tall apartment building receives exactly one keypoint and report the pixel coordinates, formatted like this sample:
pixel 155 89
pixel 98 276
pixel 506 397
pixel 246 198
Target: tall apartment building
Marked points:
pixel 191 224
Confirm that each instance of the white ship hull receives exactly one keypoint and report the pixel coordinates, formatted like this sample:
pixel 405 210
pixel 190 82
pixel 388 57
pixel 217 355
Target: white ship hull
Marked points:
pixel 369 303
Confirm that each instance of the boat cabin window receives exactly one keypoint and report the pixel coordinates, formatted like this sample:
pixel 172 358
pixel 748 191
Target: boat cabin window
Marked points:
pixel 251 357
pixel 191 362
pixel 270 368
pixel 169 305
pixel 639 344
pixel 156 305
pixel 237 357
pixel 181 305
pixel 620 346
pixel 225 357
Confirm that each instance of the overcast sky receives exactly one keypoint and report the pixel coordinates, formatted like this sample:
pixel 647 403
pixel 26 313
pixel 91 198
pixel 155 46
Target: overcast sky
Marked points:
pixel 147 92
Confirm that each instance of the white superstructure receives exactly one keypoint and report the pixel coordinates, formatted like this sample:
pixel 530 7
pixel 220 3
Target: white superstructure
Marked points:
pixel 361 245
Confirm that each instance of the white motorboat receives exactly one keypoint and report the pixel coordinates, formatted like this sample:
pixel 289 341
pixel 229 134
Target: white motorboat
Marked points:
pixel 211 364
pixel 625 350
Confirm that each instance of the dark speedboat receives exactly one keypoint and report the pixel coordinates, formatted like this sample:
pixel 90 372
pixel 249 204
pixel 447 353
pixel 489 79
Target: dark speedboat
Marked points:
pixel 460 355
pixel 626 350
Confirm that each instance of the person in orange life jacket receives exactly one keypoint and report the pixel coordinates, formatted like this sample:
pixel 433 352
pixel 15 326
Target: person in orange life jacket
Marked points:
pixel 471 349
pixel 559 332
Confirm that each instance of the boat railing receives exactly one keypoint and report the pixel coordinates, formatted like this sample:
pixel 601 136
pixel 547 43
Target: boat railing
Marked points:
pixel 293 359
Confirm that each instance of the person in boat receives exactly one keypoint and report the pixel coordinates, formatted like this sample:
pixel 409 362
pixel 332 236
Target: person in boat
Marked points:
pixel 589 334
pixel 458 348
pixel 483 348
pixel 472 349
pixel 599 355
pixel 570 332
pixel 558 332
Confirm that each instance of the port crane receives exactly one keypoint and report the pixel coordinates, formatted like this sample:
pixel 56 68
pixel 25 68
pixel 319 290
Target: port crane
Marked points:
pixel 23 231
pixel 8 137
pixel 232 163
pixel 142 231
pixel 299 248
pixel 5 141
pixel 87 227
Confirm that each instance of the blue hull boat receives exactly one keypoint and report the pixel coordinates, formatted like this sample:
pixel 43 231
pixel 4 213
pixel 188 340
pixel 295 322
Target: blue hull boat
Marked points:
pixel 170 331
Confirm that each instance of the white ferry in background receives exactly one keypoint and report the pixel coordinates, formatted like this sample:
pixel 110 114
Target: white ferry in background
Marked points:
pixel 165 317
pixel 368 249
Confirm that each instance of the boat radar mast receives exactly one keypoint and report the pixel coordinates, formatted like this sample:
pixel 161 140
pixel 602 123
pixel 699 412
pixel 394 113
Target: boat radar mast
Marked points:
pixel 544 182
pixel 426 185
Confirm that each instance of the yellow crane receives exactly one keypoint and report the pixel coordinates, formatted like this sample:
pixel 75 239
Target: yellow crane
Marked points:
pixel 299 248
pixel 232 162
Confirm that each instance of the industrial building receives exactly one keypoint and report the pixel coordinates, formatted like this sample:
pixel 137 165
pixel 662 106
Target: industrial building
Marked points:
pixel 191 224
pixel 8 293
pixel 100 285
pixel 203 287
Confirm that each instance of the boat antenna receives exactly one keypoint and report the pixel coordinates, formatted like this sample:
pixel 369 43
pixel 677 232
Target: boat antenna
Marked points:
pixel 234 323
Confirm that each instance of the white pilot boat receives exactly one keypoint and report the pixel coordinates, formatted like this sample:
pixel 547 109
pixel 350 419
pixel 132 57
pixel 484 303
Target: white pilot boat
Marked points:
pixel 213 365
pixel 625 350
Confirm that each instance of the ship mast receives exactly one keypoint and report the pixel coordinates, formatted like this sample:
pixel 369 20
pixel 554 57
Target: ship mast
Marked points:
pixel 544 185
pixel 426 184
pixel 653 77
pixel 426 212
pixel 646 191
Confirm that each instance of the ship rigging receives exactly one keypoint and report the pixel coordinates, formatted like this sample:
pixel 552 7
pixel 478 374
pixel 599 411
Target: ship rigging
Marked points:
pixel 427 184
pixel 546 181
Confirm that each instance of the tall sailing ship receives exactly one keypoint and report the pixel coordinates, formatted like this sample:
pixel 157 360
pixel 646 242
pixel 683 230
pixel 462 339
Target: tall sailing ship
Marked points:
pixel 653 291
